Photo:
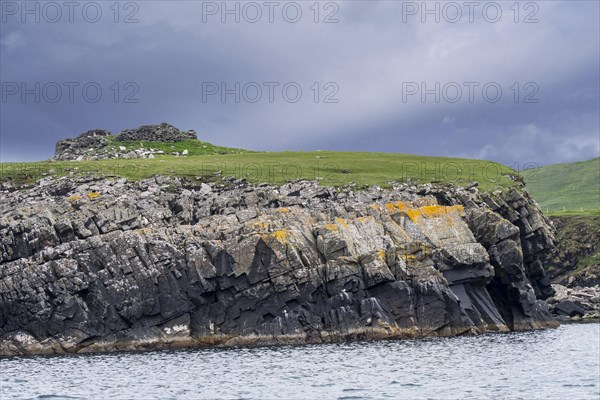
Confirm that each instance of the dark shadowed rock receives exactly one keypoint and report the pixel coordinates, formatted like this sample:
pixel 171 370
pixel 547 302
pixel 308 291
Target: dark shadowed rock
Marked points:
pixel 569 308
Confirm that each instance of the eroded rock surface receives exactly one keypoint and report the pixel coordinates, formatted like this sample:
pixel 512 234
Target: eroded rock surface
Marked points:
pixel 104 265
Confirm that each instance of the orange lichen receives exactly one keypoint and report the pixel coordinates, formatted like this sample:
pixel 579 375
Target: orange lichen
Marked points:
pixel 416 214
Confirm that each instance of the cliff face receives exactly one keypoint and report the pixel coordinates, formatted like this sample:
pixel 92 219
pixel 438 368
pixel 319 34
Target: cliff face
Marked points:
pixel 107 265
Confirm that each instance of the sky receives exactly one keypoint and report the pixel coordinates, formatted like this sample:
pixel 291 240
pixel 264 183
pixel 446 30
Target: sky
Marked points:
pixel 516 83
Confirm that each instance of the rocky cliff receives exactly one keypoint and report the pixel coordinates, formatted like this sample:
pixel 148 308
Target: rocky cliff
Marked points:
pixel 104 265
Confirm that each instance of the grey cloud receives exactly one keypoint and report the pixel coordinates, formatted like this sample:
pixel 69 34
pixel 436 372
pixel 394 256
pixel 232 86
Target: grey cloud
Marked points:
pixel 369 54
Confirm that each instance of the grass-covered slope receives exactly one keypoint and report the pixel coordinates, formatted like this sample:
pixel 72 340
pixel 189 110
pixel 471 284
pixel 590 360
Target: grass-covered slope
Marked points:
pixel 570 194
pixel 194 147
pixel 330 168
pixel 566 187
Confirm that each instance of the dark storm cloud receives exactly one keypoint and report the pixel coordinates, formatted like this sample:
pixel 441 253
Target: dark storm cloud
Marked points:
pixel 369 55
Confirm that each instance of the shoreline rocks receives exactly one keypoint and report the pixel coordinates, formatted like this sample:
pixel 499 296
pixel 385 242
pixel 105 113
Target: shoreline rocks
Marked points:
pixel 575 303
pixel 109 264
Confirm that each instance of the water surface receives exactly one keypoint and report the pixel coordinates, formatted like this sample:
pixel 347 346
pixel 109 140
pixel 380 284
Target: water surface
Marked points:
pixel 563 363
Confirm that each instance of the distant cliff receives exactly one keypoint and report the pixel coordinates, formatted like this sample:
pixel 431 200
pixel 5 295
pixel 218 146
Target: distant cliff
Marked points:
pixel 105 265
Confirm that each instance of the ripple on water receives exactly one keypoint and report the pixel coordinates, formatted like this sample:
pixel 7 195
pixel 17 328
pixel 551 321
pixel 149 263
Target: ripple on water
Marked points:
pixel 552 364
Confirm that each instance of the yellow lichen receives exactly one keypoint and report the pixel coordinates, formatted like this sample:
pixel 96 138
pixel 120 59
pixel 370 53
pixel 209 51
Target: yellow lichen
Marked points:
pixel 284 210
pixel 281 235
pixel 342 222
pixel 331 227
pixel 260 226
pixel 395 206
pixel 74 198
pixel 141 231
pixel 93 195
pixel 409 259
pixel 381 254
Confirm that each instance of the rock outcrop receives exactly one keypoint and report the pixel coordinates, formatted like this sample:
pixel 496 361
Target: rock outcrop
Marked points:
pixel 100 144
pixel 105 265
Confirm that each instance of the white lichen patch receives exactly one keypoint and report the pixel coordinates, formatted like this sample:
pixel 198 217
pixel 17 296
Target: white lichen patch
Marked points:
pixel 173 330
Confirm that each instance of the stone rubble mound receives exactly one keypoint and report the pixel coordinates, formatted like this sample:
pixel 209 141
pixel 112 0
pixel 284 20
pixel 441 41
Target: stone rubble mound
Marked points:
pixel 99 144
pixel 156 133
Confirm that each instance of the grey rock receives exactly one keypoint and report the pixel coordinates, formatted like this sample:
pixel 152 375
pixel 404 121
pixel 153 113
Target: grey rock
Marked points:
pixel 139 267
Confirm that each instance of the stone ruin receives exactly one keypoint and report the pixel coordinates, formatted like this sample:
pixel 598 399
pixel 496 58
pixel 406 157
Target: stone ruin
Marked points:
pixel 96 144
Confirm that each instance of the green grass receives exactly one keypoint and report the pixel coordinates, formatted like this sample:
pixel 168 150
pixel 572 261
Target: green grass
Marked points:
pixel 194 147
pixel 330 168
pixel 571 187
pixel 574 213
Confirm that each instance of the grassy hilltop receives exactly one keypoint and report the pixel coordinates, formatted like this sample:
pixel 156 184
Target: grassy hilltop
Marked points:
pixel 559 188
pixel 329 167
pixel 571 188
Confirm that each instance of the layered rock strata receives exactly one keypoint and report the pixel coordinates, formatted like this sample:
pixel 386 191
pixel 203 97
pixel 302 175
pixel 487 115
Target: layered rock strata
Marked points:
pixel 105 265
